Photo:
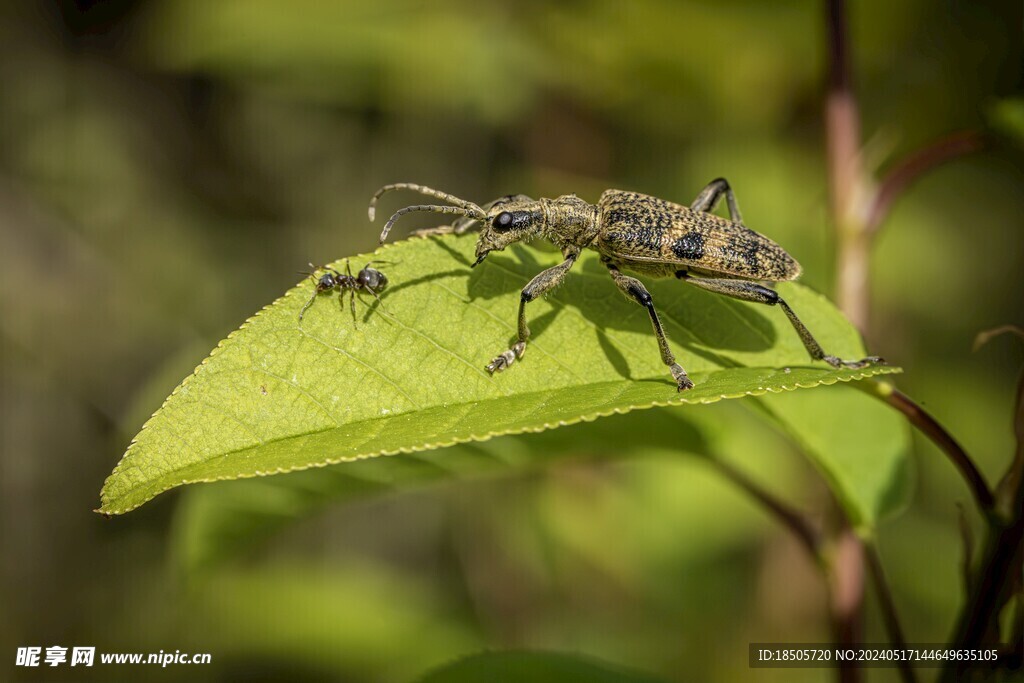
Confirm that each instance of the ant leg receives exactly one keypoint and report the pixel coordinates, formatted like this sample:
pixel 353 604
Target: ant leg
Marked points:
pixel 380 302
pixel 745 290
pixel 635 290
pixel 543 282
pixel 351 305
pixel 709 197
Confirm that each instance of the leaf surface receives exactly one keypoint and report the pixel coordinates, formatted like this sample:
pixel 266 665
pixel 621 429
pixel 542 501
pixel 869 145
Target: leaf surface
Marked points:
pixel 280 395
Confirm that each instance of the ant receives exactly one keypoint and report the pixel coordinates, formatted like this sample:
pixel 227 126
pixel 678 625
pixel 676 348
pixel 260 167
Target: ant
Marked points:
pixel 367 280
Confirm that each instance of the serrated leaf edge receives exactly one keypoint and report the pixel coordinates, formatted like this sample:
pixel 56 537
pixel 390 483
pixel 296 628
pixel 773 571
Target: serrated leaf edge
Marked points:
pixel 472 438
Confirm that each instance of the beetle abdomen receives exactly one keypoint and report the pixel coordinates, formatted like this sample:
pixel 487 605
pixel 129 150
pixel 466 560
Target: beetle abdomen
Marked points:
pixel 640 228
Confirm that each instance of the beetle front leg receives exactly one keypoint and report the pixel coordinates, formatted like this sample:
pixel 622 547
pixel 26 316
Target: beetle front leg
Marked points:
pixel 709 197
pixel 544 281
pixel 635 290
pixel 751 291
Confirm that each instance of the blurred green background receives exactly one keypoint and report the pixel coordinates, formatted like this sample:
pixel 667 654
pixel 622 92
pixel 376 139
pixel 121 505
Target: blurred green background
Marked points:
pixel 166 166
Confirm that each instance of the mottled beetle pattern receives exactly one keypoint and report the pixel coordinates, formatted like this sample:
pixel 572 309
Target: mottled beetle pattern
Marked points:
pixel 633 232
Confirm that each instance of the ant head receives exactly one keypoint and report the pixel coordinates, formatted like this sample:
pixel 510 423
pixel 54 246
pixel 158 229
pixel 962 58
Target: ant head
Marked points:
pixel 508 221
pixel 327 282
pixel 372 279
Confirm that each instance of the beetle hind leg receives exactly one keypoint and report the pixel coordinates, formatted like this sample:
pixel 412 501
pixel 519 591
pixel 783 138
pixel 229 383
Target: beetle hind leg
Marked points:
pixel 709 197
pixel 745 290
pixel 635 290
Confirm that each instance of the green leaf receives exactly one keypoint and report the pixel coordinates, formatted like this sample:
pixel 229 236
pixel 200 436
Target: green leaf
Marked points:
pixel 217 523
pixel 533 667
pixel 1007 116
pixel 279 395
pixel 859 445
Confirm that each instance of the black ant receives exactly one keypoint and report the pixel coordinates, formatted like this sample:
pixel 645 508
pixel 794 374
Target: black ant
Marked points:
pixel 367 280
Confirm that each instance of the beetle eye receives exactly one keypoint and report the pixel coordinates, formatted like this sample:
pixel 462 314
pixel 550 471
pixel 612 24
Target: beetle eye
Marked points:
pixel 502 222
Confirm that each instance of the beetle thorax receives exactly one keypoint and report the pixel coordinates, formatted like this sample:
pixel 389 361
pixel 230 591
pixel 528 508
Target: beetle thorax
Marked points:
pixel 570 221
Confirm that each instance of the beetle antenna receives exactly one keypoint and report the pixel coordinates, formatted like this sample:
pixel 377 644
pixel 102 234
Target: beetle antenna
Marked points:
pixel 308 304
pixel 474 212
pixel 430 192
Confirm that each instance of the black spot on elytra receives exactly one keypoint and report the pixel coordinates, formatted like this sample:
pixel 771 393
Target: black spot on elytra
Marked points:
pixel 689 247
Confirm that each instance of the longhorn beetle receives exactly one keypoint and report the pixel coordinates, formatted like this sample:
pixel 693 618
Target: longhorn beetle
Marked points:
pixel 634 232
pixel 367 280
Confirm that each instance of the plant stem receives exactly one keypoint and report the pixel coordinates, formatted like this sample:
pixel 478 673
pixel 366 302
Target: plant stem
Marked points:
pixel 928 426
pixel 845 175
pixel 1000 574
pixel 790 517
pixel 842 138
pixel 845 575
pixel 888 605
pixel 846 596
pixel 912 167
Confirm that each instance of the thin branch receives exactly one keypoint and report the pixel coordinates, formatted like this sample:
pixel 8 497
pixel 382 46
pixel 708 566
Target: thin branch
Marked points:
pixel 845 175
pixel 846 595
pixel 915 165
pixel 842 140
pixel 979 624
pixel 928 426
pixel 888 605
pixel 839 71
pixel 1008 490
pixel 967 538
pixel 789 516
pixel 1003 558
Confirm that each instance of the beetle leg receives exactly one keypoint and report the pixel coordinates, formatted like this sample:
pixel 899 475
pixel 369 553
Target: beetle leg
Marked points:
pixel 751 291
pixel 308 303
pixel 439 230
pixel 459 226
pixel 709 197
pixel 635 290
pixel 544 282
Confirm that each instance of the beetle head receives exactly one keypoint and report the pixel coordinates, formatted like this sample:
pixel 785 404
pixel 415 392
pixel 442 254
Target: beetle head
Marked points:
pixel 509 221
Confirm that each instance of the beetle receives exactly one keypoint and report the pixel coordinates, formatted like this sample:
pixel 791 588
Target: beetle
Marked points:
pixel 637 233
pixel 367 280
